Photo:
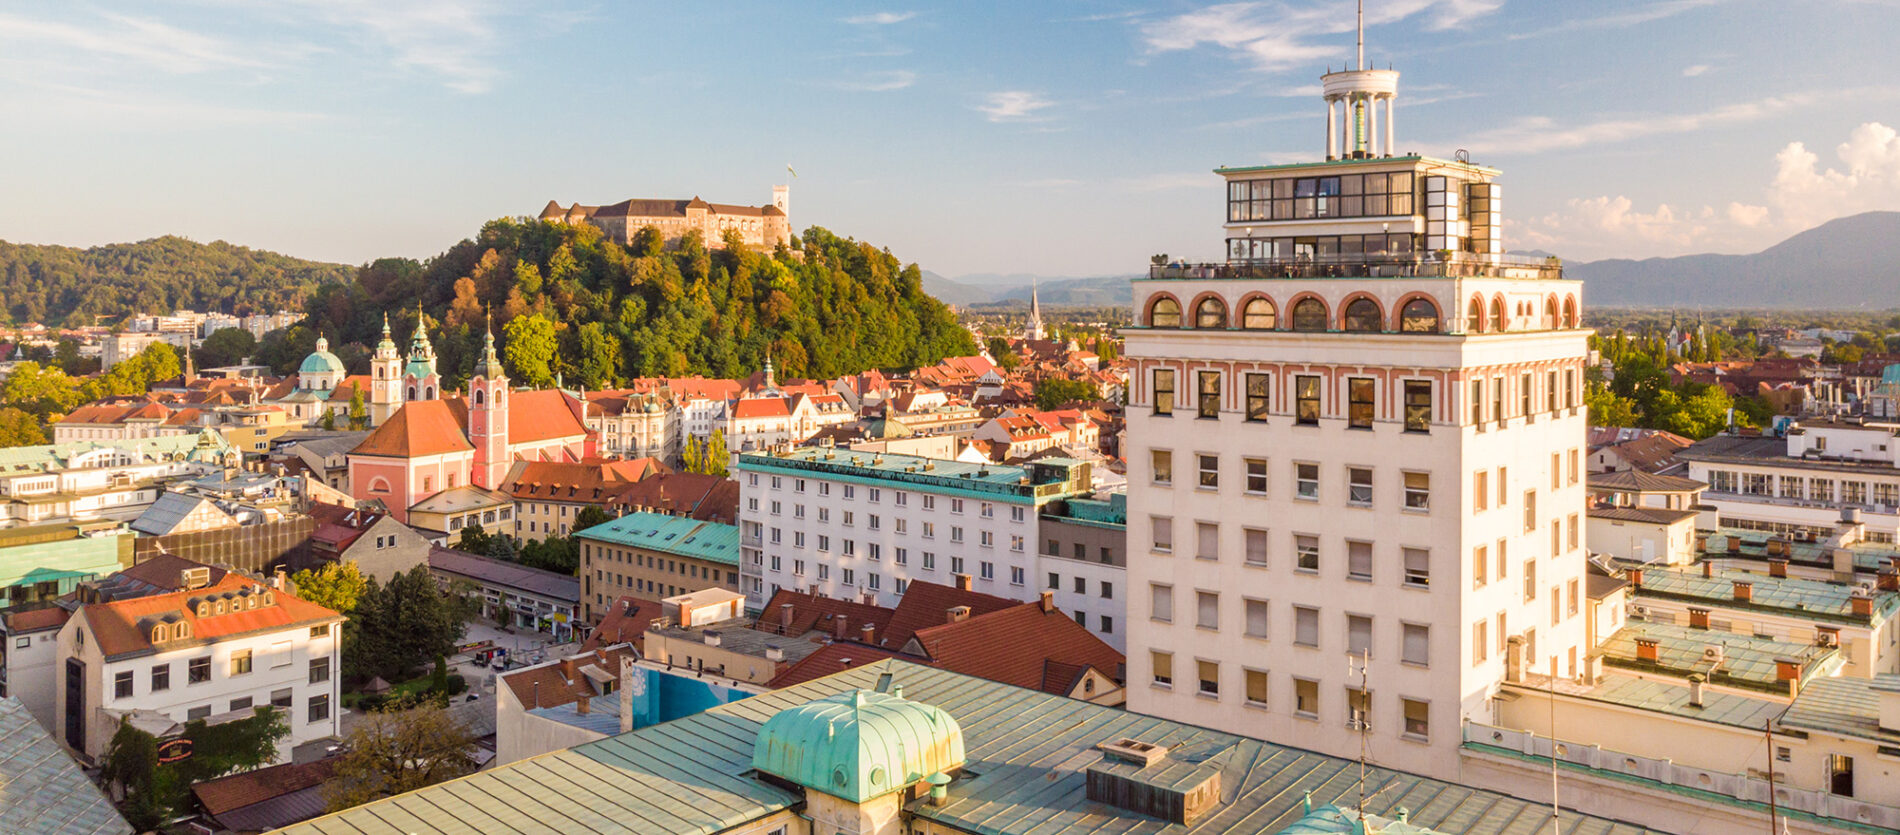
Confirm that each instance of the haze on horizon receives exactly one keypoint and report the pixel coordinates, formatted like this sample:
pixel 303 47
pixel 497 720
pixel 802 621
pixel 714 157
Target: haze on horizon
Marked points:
pixel 1064 138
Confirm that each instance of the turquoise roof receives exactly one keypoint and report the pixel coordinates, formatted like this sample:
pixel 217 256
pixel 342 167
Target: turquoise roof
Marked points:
pixel 1891 374
pixel 1844 706
pixel 1811 599
pixel 1338 820
pixel 858 745
pixel 321 361
pixel 1747 661
pixel 1037 483
pixel 418 369
pixel 709 541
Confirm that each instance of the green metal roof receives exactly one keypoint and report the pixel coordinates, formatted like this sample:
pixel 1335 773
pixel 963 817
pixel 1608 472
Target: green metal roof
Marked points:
pixel 1844 706
pixel 1026 753
pixel 1037 483
pixel 1673 698
pixel 1811 599
pixel 42 789
pixel 1747 661
pixel 858 745
pixel 49 457
pixel 709 541
pixel 321 361
pixel 1337 820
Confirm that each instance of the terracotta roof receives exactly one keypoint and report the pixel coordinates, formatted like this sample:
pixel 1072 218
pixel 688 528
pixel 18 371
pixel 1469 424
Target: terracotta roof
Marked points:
pixel 533 416
pixel 163 571
pixel 707 498
pixel 418 428
pixel 810 612
pixel 1017 646
pixel 346 388
pixel 625 621
pixel 927 604
pixel 761 407
pixel 35 620
pixel 252 787
pixel 1654 453
pixel 562 682
pixel 832 658
pixel 119 631
pixel 569 481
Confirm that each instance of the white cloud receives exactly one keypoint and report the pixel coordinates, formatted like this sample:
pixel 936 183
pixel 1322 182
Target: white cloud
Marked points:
pixel 1014 106
pixel 880 82
pixel 1540 133
pixel 147 43
pixel 1694 70
pixel 1276 36
pixel 880 18
pixel 453 40
pixel 1646 13
pixel 1802 194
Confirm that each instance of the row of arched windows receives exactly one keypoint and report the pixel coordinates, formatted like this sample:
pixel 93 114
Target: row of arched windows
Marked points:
pixel 1362 314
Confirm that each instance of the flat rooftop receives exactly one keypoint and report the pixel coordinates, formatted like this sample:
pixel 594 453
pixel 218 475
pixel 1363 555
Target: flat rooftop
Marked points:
pixel 892 470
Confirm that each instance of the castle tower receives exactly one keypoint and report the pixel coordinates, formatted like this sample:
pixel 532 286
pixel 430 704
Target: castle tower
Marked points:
pixel 385 378
pixel 488 416
pixel 419 378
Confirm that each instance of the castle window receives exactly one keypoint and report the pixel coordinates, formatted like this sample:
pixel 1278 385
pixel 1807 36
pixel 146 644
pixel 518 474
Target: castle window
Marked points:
pixel 1419 316
pixel 1309 315
pixel 1210 313
pixel 1257 315
pixel 1164 313
pixel 1363 316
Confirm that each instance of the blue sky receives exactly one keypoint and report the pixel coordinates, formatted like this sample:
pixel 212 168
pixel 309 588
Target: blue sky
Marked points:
pixel 1059 138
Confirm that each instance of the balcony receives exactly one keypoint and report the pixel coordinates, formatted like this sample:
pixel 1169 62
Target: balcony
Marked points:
pixel 1413 265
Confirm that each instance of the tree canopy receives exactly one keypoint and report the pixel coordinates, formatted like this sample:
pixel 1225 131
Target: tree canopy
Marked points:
pixel 61 285
pixel 398 627
pixel 399 749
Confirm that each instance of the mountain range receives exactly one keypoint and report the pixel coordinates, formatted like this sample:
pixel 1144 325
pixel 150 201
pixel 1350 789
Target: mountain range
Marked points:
pixel 1851 262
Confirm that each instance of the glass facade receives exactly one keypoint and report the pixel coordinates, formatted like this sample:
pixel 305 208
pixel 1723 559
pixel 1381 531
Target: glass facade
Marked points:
pixel 1309 198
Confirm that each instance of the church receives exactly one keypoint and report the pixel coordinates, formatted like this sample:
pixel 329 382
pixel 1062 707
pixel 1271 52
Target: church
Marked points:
pixel 425 442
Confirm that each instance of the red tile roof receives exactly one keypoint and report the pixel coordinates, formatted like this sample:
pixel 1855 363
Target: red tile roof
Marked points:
pixel 346 388
pixel 761 407
pixel 533 416
pixel 811 612
pixel 237 791
pixel 34 620
pixel 1017 646
pixel 418 428
pixel 707 498
pixel 118 630
pixel 832 658
pixel 562 682
pixel 625 621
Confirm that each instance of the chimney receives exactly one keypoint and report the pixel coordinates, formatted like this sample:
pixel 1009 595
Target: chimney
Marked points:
pixel 567 669
pixel 1778 568
pixel 1048 600
pixel 956 614
pixel 1744 591
pixel 1889 580
pixel 711 637
pixel 582 707
pixel 870 598
pixel 1708 568
pixel 1695 690
pixel 866 633
pixel 626 693
pixel 1789 670
pixel 838 627
pixel 1861 604
pixel 1646 649
pixel 962 581
pixel 774 653
pixel 784 617
pixel 1636 577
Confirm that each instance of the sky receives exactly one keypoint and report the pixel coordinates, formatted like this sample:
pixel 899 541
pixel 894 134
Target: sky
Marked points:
pixel 1065 138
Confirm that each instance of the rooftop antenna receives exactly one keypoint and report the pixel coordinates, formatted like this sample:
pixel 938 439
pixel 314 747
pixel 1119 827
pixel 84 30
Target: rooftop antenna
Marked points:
pixel 1362 36
pixel 1362 719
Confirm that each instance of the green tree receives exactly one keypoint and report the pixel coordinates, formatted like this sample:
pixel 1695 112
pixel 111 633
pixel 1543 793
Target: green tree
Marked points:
pixel 226 346
pixel 156 792
pixel 590 516
pixel 17 428
pixel 401 626
pixel 336 586
pixel 399 748
pixel 714 457
pixel 528 348
pixel 599 354
pixel 359 412
pixel 474 540
pixel 1053 392
pixel 329 419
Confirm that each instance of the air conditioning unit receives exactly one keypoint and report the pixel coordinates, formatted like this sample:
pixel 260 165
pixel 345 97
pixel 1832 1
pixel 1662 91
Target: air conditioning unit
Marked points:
pixel 1639 611
pixel 1712 654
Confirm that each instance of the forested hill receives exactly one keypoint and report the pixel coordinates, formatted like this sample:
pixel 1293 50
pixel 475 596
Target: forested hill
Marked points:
pixel 568 302
pixel 61 285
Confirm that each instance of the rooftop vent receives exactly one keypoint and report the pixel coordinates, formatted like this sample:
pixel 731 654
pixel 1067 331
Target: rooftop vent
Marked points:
pixel 1142 778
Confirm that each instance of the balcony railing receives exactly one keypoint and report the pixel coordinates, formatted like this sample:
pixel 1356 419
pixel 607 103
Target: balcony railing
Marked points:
pixel 1416 265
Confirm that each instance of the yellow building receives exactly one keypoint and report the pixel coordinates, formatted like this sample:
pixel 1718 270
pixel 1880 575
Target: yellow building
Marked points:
pixel 762 227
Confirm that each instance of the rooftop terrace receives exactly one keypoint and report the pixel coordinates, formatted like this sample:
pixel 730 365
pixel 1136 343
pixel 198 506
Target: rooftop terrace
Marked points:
pixel 1036 482
pixel 1401 265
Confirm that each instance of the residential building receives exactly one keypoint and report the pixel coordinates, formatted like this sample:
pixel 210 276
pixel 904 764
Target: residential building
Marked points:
pixel 623 621
pixel 1358 442
pixel 896 747
pixel 708 498
pixel 323 455
pixel 584 683
pixel 1644 517
pixel 1801 483
pixel 88 480
pixel 760 227
pixel 444 516
pixel 1653 452
pixel 706 632
pixel 513 594
pixel 215 649
pixel 865 525
pixel 380 546
pixel 549 495
pixel 653 555
pixel 1084 548
pixel 635 425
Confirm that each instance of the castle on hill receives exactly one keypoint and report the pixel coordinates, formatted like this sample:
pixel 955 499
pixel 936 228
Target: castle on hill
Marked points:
pixel 762 227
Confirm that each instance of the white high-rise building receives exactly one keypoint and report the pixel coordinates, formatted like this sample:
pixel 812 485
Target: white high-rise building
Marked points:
pixel 1361 433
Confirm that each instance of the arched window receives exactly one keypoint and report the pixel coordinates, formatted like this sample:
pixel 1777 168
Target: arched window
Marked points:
pixel 1497 314
pixel 379 372
pixel 1550 313
pixel 412 393
pixel 1474 315
pixel 1419 316
pixel 1258 315
pixel 1570 311
pixel 1164 313
pixel 478 397
pixel 1363 316
pixel 1210 313
pixel 1309 315
pixel 428 392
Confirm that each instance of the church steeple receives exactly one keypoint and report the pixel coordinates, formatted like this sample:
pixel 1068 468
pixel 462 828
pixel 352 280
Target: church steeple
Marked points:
pixel 1034 329
pixel 419 378
pixel 385 378
pixel 488 416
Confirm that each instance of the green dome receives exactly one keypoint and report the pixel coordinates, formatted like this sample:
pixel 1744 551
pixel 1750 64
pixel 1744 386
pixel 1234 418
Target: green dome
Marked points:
pixel 859 745
pixel 417 369
pixel 322 361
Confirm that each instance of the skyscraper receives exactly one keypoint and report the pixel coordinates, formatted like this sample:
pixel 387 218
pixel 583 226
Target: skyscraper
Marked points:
pixel 1327 462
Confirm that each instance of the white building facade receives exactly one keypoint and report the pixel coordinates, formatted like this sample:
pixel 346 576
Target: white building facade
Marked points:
pixel 1360 436
pixel 1803 483
pixel 863 525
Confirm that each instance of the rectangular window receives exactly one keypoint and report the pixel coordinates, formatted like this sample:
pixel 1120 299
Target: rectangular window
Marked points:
pixel 1524 394
pixel 850 577
pixel 1497 400
pixel 1257 688
pixel 1480 566
pixel 1161 464
pixel 1258 388
pixel 1055 580
pixel 1306 552
pixel 1306 698
pixel 1480 643
pixel 1164 391
pixel 1256 476
pixel 1207 541
pixel 1550 393
pixel 1306 400
pixel 1256 618
pixel 1480 490
pixel 1208 400
pixel 122 685
pixel 1359 561
pixel 199 712
pixel 1418 568
pixel 1209 470
pixel 320 630
pixel 1161 602
pixel 930 562
pixel 240 704
pixel 1210 677
pixel 1503 636
pixel 1163 534
pixel 281 698
pixel 1107 590
pixel 1163 663
pixel 1418 405
pixel 1305 626
pixel 1418 721
pixel 1360 402
pixel 161 678
pixel 1015 576
pixel 319 707
pixel 319 670
pixel 1108 625
pixel 1530 580
pixel 1570 599
pixel 1359 486
pixel 1477 404
pixel 1306 481
pixel 1530 511
pixel 1415 644
pixel 1358 635
pixel 1574 527
pixel 1256 542
pixel 1207 610
pixel 198 670
pixel 1418 491
pixel 1358 708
